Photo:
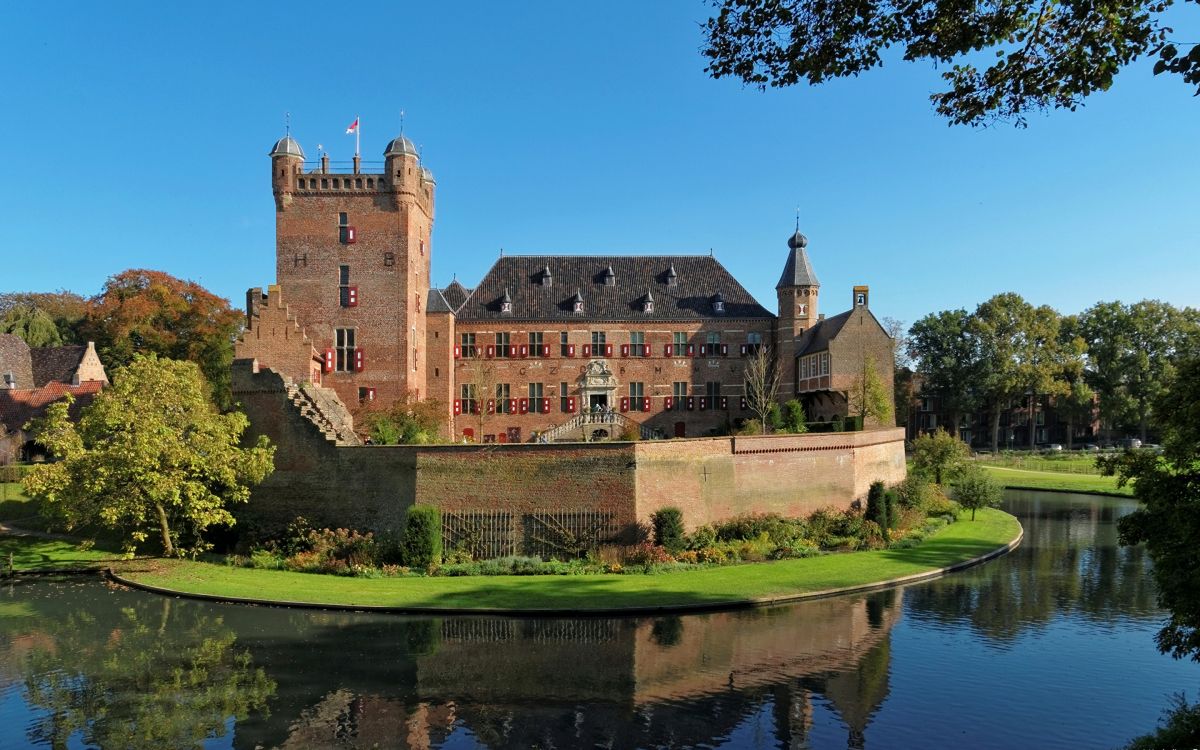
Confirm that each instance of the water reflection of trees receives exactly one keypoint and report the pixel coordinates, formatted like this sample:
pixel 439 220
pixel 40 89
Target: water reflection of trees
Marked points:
pixel 150 674
pixel 1069 563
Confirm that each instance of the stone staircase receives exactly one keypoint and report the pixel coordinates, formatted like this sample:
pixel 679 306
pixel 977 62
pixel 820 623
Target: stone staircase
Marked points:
pixel 323 408
pixel 588 427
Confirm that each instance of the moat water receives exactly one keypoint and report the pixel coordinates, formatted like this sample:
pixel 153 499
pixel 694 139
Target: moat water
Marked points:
pixel 1049 647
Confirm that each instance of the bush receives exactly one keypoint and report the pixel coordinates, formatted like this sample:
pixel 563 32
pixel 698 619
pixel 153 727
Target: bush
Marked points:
pixel 647 554
pixel 891 499
pixel 668 528
pixel 703 536
pixel 914 491
pixel 937 504
pixel 421 543
pixel 877 509
pixel 795 551
pixel 778 529
pixel 794 420
pixel 264 560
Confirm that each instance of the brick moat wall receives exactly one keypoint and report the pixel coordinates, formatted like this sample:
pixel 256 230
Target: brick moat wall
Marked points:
pixel 527 488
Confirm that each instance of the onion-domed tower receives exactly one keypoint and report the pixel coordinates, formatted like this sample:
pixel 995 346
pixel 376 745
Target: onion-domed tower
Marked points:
pixel 798 303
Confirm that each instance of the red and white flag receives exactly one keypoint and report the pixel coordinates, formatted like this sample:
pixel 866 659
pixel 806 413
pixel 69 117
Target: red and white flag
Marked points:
pixel 353 127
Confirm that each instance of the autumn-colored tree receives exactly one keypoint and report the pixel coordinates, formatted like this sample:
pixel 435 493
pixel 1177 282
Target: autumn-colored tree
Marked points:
pixel 151 453
pixel 151 312
pixel 43 318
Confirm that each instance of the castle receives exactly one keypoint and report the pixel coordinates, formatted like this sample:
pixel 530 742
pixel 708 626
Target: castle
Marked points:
pixel 660 344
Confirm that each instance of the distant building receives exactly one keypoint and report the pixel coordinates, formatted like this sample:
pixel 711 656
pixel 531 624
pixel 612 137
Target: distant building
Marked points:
pixel 32 379
pixel 658 344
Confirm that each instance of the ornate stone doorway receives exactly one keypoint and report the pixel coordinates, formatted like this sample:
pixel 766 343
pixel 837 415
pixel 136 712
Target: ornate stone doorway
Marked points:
pixel 597 385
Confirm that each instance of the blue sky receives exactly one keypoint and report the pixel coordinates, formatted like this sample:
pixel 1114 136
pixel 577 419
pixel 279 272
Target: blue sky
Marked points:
pixel 136 134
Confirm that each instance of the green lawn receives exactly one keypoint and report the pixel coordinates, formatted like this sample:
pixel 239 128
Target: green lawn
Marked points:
pixel 30 553
pixel 737 583
pixel 1053 480
pixel 15 506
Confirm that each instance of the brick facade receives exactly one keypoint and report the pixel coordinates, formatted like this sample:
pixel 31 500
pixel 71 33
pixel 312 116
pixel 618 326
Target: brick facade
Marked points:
pixel 354 309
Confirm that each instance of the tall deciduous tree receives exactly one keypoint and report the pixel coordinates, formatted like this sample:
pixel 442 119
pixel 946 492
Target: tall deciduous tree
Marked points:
pixel 1042 53
pixel 947 359
pixel 940 455
pixel 1168 521
pixel 762 384
pixel 151 454
pixel 43 318
pixel 151 312
pixel 1009 332
pixel 975 490
pixel 868 397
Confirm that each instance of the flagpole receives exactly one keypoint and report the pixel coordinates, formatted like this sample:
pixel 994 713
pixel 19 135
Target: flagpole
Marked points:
pixel 357 131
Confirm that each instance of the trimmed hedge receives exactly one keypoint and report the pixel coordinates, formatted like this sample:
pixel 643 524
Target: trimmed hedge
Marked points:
pixel 668 529
pixel 421 543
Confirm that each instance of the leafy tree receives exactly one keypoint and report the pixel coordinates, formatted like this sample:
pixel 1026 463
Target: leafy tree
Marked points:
pixel 762 383
pixel 1160 333
pixel 151 312
pixel 1042 54
pixel 43 318
pixel 794 419
pixel 940 455
pixel 975 490
pixel 1179 727
pixel 868 397
pixel 947 357
pixel 151 453
pixel 408 421
pixel 1168 521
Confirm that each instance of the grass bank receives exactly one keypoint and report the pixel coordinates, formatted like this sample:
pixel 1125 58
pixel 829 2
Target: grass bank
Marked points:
pixel 952 545
pixel 1053 480
pixel 32 553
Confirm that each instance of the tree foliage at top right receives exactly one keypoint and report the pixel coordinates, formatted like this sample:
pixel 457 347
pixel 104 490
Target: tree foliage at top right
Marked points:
pixel 1001 59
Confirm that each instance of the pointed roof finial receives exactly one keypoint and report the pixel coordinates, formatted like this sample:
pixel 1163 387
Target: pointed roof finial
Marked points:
pixel 287 123
pixel 401 122
pixel 797 218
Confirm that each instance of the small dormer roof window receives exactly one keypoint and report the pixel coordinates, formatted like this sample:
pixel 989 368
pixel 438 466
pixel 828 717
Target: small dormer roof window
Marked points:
pixel 546 278
pixel 506 303
pixel 10 380
pixel 718 304
pixel 610 278
pixel 648 302
pixel 672 277
pixel 577 302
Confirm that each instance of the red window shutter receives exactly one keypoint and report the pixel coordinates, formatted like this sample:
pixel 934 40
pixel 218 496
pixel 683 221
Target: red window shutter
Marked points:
pixel 330 359
pixel 743 350
pixel 524 407
pixel 645 350
pixel 360 360
pixel 667 350
pixel 703 349
pixel 545 350
pixel 608 350
pixel 370 394
pixel 724 402
pixel 351 235
pixel 724 350
pixel 587 350
pixel 571 404
pixel 502 437
pixel 624 403
pixel 524 350
pixel 491 407
pixel 512 406
pixel 691 403
pixel 351 296
pixel 624 350
pixel 491 350
pixel 545 406
pixel 512 350
pixel 691 350
pixel 645 403
pixel 457 407
pixel 742 405
pixel 570 350
pixel 457 351
pixel 666 403
pixel 703 403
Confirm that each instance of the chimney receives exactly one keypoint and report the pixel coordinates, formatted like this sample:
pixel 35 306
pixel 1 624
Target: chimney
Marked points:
pixel 324 163
pixel 357 164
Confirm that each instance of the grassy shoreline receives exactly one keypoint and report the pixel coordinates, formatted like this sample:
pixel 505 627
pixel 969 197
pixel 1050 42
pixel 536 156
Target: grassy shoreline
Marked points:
pixel 1026 479
pixel 711 587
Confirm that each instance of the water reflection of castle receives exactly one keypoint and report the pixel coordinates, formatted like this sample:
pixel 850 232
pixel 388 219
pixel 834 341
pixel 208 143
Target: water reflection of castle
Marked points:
pixel 671 681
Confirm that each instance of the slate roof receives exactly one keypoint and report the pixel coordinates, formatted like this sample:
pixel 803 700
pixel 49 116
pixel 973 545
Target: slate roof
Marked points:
pixel 15 358
pixel 56 363
pixel 455 295
pixel 699 279
pixel 817 338
pixel 20 406
pixel 797 271
pixel 437 303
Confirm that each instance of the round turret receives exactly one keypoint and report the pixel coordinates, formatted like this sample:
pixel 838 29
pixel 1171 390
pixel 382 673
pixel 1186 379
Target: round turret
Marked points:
pixel 400 146
pixel 427 176
pixel 287 146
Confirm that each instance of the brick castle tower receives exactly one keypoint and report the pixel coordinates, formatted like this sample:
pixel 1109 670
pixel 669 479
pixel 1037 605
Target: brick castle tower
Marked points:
pixel 798 304
pixel 352 265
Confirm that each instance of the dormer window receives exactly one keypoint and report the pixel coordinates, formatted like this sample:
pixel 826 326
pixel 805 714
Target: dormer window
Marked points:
pixel 672 277
pixel 547 279
pixel 577 302
pixel 648 303
pixel 506 303
pixel 10 380
pixel 718 304
pixel 609 278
